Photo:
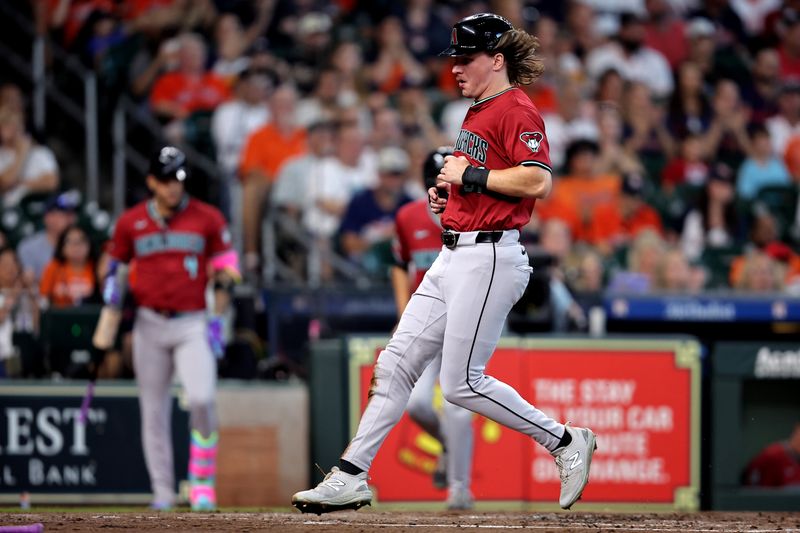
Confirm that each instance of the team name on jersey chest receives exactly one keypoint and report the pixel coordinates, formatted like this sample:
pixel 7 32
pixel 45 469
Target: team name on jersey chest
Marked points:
pixel 169 241
pixel 472 145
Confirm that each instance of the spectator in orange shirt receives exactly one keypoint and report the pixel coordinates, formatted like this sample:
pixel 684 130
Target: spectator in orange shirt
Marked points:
pixel 69 279
pixel 191 87
pixel 616 223
pixel 395 62
pixel 576 195
pixel 265 151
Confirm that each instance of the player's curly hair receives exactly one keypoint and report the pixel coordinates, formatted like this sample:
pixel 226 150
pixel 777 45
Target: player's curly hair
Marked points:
pixel 519 49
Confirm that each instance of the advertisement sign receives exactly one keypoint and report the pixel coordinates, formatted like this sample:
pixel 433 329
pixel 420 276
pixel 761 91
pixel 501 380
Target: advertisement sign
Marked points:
pixel 46 451
pixel 641 397
pixel 717 308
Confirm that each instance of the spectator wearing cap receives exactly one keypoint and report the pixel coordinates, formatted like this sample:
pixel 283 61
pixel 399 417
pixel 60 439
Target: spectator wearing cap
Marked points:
pixel 616 224
pixel 762 166
pixel 700 33
pixel 786 124
pixel 26 167
pixel 312 42
pixel 714 221
pixel 632 58
pixel 369 218
pixel 36 250
pixel 729 28
pixel 306 194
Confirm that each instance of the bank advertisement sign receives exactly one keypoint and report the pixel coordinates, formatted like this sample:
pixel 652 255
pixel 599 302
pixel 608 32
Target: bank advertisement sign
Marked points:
pixel 641 397
pixel 48 452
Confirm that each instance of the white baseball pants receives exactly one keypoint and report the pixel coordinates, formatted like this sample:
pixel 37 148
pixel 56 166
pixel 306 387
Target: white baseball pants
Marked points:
pixel 162 346
pixel 459 309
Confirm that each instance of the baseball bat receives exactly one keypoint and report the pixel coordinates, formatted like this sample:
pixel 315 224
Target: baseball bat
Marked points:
pixel 106 330
pixel 103 339
pixel 32 528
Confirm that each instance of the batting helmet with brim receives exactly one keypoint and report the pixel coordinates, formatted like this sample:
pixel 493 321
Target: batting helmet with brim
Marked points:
pixel 169 163
pixel 433 165
pixel 476 33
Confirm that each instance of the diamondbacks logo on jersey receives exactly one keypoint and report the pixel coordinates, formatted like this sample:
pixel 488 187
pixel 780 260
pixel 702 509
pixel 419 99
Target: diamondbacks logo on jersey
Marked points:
pixel 472 145
pixel 532 139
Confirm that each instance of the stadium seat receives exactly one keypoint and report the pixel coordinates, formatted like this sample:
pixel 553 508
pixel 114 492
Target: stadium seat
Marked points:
pixel 717 262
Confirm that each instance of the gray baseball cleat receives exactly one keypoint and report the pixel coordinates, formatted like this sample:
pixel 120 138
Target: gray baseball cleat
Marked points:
pixel 573 461
pixel 339 490
pixel 460 499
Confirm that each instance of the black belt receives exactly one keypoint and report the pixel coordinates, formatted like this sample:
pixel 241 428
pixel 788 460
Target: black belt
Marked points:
pixel 170 313
pixel 450 238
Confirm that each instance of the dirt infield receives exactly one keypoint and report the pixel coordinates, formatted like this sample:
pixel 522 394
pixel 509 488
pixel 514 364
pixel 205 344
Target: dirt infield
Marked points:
pixel 365 521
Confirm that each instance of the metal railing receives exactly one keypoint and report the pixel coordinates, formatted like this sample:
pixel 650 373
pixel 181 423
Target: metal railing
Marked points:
pixel 44 88
pixel 126 115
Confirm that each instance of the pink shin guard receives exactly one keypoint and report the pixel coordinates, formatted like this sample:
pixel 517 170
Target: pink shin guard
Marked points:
pixel 202 471
pixel 203 456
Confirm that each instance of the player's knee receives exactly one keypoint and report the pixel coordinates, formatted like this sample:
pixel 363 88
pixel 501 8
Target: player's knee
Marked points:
pixel 454 391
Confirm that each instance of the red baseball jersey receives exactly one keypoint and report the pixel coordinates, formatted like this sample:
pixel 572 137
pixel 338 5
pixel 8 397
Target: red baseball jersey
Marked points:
pixel 171 255
pixel 418 239
pixel 776 466
pixel 501 131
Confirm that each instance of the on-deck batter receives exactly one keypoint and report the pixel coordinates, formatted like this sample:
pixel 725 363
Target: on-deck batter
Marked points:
pixel 173 238
pixel 500 167
pixel 416 245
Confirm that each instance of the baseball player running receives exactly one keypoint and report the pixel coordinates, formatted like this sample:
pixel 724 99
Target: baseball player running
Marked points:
pixel 175 241
pixel 499 168
pixel 416 245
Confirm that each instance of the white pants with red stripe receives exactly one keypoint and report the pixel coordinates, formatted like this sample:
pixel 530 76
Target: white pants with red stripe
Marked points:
pixel 459 310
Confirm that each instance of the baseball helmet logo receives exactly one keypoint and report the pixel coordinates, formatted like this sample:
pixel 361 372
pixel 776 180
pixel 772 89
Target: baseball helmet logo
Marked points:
pixel 532 139
pixel 454 38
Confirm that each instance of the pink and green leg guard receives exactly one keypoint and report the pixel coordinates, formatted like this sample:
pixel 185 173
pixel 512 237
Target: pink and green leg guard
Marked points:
pixel 203 471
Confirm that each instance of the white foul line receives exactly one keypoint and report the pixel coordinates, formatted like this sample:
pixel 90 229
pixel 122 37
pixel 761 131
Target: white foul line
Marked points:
pixel 619 527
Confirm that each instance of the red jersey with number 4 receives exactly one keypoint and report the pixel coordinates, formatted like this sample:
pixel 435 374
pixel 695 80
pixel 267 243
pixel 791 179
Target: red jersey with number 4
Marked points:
pixel 171 255
pixel 501 131
pixel 418 239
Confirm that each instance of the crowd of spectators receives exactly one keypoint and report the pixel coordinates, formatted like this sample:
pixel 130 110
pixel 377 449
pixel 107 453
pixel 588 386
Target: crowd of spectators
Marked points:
pixel 674 129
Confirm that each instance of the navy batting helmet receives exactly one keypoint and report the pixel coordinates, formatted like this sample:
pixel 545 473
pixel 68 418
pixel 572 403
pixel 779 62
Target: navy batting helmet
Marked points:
pixel 476 33
pixel 433 165
pixel 169 163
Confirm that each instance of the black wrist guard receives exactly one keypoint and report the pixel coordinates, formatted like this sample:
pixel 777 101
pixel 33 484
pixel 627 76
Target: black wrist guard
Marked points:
pixel 474 179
